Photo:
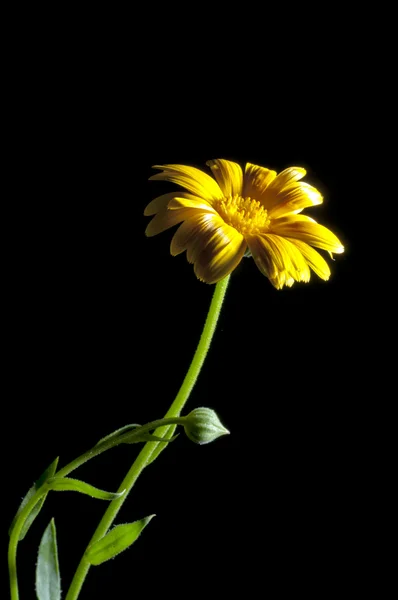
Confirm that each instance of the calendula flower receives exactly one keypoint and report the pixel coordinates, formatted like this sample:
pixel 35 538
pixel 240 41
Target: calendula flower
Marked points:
pixel 256 212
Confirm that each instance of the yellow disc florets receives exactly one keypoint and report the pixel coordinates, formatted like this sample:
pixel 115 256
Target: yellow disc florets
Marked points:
pixel 244 214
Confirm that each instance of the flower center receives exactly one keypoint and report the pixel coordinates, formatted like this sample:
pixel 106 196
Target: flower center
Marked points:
pixel 244 214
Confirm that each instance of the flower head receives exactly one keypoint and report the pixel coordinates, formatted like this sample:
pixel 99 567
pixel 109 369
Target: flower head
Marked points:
pixel 256 212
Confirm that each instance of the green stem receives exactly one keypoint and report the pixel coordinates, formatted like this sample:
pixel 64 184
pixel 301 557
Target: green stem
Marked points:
pixel 144 456
pixel 14 538
pixel 115 442
pixel 74 464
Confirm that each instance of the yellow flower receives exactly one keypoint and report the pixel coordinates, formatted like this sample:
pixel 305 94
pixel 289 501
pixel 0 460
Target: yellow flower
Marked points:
pixel 255 212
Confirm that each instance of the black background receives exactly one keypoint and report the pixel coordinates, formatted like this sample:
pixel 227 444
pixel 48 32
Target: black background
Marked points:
pixel 101 323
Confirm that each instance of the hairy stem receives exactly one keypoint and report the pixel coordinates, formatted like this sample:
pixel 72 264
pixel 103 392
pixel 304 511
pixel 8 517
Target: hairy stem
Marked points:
pixel 150 447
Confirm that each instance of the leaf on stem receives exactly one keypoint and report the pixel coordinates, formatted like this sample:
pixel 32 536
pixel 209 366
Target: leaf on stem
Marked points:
pixel 48 580
pixel 120 538
pixel 65 484
pixel 149 437
pixel 169 430
pixel 117 433
pixel 49 472
pixel 135 436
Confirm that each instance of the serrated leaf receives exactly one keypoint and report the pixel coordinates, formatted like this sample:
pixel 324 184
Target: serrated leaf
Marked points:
pixel 48 580
pixel 120 538
pixel 65 484
pixel 117 433
pixel 49 472
pixel 169 430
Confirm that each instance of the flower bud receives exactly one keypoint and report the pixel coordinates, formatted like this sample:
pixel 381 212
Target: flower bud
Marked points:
pixel 203 426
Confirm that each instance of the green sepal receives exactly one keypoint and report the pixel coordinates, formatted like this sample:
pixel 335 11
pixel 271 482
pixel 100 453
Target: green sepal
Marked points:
pixel 49 472
pixel 48 580
pixel 117 433
pixel 65 484
pixel 118 539
pixel 169 430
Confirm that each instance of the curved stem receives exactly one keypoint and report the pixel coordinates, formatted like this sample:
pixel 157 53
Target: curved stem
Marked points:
pixel 202 349
pixel 145 455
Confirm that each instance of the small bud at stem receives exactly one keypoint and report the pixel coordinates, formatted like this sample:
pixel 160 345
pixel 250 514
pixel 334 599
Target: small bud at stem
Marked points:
pixel 203 426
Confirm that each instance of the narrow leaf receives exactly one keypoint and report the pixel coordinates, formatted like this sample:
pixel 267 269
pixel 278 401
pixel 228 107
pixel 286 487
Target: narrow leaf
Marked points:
pixel 49 472
pixel 65 484
pixel 117 433
pixel 48 580
pixel 149 437
pixel 136 436
pixel 120 538
pixel 169 430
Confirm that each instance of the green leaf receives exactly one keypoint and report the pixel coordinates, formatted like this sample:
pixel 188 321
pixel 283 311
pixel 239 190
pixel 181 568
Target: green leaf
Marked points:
pixel 136 437
pixel 120 538
pixel 117 433
pixel 48 580
pixel 149 437
pixel 49 472
pixel 169 430
pixel 65 484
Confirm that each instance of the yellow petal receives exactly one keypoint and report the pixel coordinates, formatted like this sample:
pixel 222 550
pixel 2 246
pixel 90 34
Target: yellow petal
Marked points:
pixel 287 177
pixel 194 180
pixel 194 232
pixel 168 218
pixel 294 199
pixel 161 202
pixel 229 176
pixel 294 262
pixel 267 260
pixel 278 259
pixel 300 228
pixel 274 192
pixel 317 263
pixel 191 202
pixel 288 219
pixel 256 180
pixel 221 255
pixel 209 230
